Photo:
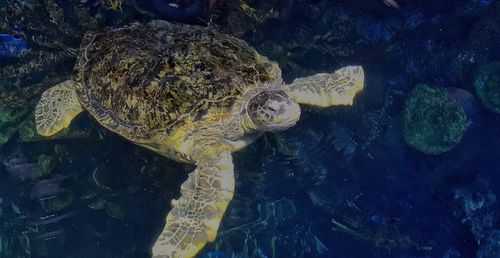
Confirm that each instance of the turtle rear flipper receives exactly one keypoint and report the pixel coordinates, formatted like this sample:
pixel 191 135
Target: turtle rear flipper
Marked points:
pixel 57 107
pixel 196 215
pixel 325 90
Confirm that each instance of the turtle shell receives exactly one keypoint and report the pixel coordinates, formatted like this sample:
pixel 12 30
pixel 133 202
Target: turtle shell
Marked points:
pixel 144 78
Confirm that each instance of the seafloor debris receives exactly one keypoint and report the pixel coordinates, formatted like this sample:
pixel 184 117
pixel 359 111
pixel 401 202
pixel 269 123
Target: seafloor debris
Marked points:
pixel 271 214
pixel 261 237
pixel 381 236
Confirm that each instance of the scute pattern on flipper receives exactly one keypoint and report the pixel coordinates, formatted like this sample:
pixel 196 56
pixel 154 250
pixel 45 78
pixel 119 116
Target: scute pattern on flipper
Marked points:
pixel 196 215
pixel 57 107
pixel 324 89
pixel 146 78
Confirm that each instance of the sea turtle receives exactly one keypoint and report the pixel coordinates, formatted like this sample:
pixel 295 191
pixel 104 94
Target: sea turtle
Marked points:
pixel 191 94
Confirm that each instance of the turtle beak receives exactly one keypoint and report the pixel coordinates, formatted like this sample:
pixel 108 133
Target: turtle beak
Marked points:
pixel 285 114
pixel 289 114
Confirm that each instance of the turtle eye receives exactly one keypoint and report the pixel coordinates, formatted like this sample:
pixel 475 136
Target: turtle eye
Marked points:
pixel 272 107
pixel 271 110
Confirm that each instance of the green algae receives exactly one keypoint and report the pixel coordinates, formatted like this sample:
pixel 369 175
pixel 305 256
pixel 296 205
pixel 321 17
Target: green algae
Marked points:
pixel 9 121
pixel 433 122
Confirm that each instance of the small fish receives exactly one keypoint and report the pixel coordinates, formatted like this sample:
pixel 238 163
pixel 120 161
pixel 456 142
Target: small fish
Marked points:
pixel 391 3
pixel 15 208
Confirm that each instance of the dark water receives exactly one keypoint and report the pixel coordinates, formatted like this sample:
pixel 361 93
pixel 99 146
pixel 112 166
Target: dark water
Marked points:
pixel 344 182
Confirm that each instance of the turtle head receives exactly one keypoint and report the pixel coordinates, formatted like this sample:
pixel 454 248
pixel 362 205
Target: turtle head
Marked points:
pixel 273 110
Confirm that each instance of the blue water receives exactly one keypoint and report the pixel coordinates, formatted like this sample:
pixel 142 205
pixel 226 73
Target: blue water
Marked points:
pixel 342 183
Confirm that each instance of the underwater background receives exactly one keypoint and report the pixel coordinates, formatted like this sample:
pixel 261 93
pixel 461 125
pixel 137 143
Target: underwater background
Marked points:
pixel 412 169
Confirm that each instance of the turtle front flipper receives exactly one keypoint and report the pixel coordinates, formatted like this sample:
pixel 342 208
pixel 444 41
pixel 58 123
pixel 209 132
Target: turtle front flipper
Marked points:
pixel 196 215
pixel 325 90
pixel 57 107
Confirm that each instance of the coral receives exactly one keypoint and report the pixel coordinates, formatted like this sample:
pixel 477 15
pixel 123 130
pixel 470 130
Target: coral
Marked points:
pixel 51 32
pixel 487 84
pixel 433 122
pixel 243 17
pixel 45 23
pixel 115 5
pixel 249 11
pixel 48 40
pixel 51 38
pixel 15 96
pixel 35 62
pixel 42 36
pixel 478 211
